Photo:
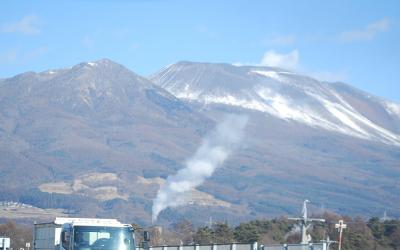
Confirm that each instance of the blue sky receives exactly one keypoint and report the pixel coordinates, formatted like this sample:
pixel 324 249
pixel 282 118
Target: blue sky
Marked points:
pixel 351 41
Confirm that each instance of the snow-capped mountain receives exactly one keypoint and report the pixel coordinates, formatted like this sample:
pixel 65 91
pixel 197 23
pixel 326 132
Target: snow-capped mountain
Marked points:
pixel 287 95
pixel 97 129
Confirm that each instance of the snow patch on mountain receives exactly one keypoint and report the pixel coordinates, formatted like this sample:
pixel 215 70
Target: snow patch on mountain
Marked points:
pixel 271 74
pixel 351 118
pixel 282 107
pixel 93 64
pixel 187 93
pixel 234 101
pixel 343 116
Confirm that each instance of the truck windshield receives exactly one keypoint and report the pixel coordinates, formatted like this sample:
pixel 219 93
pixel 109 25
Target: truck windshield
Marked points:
pixel 103 238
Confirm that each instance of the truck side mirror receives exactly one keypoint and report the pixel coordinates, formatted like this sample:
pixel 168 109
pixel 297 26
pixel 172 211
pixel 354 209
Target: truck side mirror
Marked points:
pixel 63 237
pixel 146 236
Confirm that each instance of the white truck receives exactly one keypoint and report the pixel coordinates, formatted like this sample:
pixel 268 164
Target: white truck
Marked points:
pixel 4 243
pixel 83 234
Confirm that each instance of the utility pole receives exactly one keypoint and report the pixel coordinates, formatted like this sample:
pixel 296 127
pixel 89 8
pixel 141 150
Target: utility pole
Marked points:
pixel 340 226
pixel 305 223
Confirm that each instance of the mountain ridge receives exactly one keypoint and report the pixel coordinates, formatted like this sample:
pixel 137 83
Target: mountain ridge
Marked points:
pixel 101 119
pixel 284 94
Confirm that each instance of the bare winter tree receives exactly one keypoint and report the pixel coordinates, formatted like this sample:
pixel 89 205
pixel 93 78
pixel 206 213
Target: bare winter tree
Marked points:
pixel 184 230
pixel 19 234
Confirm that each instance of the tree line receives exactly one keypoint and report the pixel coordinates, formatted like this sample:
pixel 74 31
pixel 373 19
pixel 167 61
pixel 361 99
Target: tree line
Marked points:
pixel 361 234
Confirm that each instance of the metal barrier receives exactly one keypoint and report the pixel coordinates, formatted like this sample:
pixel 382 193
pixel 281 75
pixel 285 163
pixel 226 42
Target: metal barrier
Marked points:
pixel 240 246
pixel 187 248
pixel 233 246
pixel 312 246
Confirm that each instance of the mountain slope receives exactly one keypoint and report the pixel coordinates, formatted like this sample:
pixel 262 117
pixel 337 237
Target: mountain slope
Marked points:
pixel 96 139
pixel 327 142
pixel 96 117
pixel 285 95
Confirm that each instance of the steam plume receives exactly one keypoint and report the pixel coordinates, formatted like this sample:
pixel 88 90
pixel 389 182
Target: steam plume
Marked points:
pixel 296 229
pixel 213 151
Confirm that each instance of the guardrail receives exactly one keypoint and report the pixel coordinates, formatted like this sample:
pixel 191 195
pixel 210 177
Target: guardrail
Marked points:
pixel 311 246
pixel 241 246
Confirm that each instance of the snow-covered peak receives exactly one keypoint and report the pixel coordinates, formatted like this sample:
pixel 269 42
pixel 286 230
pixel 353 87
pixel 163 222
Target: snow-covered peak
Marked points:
pixel 93 64
pixel 101 64
pixel 277 92
pixel 88 84
pixel 50 72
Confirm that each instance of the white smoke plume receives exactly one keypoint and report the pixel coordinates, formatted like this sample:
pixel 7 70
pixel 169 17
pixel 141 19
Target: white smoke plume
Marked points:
pixel 213 151
pixel 296 229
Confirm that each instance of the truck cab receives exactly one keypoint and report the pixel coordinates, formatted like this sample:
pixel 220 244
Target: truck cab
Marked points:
pixel 86 234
